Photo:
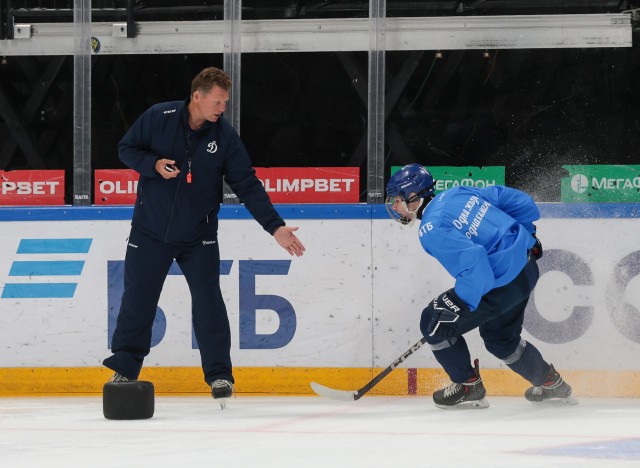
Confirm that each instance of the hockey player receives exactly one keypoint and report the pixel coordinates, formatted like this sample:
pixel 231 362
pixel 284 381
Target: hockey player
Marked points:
pixel 485 238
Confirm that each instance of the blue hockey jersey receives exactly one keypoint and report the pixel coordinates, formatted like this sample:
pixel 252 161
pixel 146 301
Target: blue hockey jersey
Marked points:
pixel 480 236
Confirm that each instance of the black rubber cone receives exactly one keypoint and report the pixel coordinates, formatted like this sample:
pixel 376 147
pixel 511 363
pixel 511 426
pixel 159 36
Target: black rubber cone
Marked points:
pixel 128 400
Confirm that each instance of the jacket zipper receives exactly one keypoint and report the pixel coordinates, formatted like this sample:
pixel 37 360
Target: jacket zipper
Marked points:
pixel 175 197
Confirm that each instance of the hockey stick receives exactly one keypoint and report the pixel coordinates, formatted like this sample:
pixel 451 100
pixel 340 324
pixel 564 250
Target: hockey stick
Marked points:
pixel 350 395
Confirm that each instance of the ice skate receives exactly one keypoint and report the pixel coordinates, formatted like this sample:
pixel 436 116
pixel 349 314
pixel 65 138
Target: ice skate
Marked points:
pixel 469 394
pixel 553 389
pixel 120 378
pixel 222 390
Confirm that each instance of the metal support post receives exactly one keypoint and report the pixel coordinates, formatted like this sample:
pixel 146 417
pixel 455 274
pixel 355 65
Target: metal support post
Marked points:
pixel 375 101
pixel 82 103
pixel 232 58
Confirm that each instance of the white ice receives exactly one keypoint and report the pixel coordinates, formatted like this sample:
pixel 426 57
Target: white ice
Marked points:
pixel 306 432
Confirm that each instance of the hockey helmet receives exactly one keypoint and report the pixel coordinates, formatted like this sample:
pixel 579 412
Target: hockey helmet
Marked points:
pixel 408 185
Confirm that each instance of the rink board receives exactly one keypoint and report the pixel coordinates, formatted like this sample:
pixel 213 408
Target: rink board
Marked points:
pixel 295 381
pixel 345 310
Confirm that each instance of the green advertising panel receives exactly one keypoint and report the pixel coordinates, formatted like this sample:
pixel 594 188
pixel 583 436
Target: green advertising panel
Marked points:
pixel 469 176
pixel 601 183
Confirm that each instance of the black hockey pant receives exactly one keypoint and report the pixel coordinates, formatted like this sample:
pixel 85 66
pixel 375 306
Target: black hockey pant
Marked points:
pixel 499 316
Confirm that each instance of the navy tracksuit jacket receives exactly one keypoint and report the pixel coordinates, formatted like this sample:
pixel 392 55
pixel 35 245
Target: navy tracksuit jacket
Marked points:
pixel 174 219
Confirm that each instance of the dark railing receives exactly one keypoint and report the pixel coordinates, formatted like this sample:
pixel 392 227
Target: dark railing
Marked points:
pixel 34 11
pixel 193 10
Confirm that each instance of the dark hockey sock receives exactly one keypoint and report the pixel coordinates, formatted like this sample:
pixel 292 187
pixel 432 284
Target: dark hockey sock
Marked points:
pixel 530 364
pixel 454 359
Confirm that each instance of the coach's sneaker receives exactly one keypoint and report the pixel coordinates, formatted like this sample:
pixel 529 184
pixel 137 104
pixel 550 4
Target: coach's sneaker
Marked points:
pixel 120 378
pixel 470 393
pixel 222 390
pixel 553 388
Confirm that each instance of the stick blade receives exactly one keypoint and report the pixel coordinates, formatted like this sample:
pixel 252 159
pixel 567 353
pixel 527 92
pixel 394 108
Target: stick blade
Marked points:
pixel 342 395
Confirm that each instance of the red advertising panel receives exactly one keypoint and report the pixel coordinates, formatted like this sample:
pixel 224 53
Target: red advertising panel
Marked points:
pixel 115 186
pixel 283 185
pixel 311 184
pixel 32 187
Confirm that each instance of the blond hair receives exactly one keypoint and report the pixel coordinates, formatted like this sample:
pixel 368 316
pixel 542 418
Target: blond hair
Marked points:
pixel 208 78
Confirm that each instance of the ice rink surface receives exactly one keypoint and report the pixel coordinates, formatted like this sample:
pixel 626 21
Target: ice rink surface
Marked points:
pixel 305 432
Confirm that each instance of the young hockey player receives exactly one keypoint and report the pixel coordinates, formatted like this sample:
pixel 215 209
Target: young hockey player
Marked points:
pixel 485 238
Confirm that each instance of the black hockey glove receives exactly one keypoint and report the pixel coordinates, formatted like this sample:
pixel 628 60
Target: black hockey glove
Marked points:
pixel 447 309
pixel 536 250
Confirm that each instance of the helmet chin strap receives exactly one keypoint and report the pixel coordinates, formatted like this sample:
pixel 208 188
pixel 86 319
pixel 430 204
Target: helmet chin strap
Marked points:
pixel 416 214
pixel 423 205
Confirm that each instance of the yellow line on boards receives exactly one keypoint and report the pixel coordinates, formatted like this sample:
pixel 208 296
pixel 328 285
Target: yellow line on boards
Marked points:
pixel 295 381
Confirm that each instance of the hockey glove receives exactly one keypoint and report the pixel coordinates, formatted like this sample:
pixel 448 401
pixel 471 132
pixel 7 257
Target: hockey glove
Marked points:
pixel 536 250
pixel 447 309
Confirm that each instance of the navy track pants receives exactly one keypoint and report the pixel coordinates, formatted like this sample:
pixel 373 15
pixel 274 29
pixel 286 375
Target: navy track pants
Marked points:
pixel 147 264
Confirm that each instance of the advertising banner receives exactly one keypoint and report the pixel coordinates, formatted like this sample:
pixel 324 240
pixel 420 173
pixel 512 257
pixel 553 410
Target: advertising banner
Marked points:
pixel 311 184
pixel 601 183
pixel 349 306
pixel 44 187
pixel 61 285
pixel 283 185
pixel 451 176
pixel 115 186
pixel 354 300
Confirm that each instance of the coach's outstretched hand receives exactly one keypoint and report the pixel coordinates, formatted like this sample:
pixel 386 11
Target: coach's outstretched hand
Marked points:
pixel 288 241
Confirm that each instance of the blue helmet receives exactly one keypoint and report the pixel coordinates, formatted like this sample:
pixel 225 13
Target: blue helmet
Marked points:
pixel 412 178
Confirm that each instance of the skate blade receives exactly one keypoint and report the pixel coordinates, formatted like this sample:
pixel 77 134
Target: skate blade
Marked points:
pixel 566 401
pixel 476 404
pixel 222 402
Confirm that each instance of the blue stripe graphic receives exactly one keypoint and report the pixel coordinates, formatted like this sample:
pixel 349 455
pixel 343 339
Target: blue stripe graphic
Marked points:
pixel 49 246
pixel 38 290
pixel 46 268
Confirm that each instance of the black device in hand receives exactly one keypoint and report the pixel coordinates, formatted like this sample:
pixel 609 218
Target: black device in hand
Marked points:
pixel 169 167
